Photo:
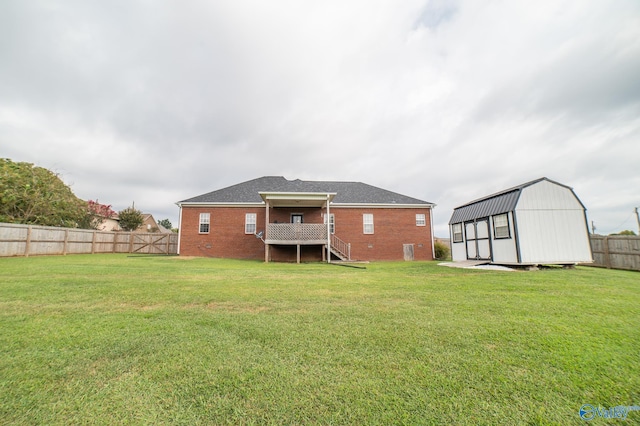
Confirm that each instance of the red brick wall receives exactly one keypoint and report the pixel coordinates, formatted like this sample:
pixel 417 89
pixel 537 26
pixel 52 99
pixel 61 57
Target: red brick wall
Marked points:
pixel 392 228
pixel 226 238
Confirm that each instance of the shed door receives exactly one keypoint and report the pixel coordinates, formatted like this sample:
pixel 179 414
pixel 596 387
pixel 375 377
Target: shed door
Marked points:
pixel 470 234
pixel 478 241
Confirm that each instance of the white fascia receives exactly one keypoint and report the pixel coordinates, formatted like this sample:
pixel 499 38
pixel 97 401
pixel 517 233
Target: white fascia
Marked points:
pixel 382 206
pixel 220 204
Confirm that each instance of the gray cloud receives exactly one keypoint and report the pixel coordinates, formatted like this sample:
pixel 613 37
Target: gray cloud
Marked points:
pixel 440 100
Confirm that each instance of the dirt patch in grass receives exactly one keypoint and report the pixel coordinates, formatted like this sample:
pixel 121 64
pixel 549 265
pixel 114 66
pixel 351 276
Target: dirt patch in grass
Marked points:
pixel 229 307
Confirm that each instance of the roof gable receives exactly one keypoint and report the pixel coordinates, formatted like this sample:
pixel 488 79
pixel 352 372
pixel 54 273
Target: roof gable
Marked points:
pixel 346 192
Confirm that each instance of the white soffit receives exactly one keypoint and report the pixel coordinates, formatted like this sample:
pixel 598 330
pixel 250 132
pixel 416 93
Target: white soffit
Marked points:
pixel 297 199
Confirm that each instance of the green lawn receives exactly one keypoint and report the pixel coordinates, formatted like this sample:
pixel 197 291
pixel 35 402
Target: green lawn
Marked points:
pixel 111 339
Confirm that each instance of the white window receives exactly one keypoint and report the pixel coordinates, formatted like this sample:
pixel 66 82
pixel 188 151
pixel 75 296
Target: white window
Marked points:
pixel 250 223
pixel 332 223
pixel 205 221
pixel 501 226
pixel 421 220
pixel 457 232
pixel 367 223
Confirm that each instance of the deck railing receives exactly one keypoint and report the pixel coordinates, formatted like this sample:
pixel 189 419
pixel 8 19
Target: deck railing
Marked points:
pixel 299 232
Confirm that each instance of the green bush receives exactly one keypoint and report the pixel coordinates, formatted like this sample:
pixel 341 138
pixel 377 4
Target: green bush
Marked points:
pixel 441 250
pixel 625 232
pixel 130 219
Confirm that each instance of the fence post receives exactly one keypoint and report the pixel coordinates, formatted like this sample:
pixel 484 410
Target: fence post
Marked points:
pixel 27 245
pixel 607 257
pixel 130 242
pixel 66 241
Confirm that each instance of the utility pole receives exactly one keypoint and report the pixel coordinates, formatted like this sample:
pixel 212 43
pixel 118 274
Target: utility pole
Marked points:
pixel 637 219
pixel 593 228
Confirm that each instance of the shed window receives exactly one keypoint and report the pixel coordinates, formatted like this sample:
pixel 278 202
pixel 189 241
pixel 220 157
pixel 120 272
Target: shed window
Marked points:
pixel 205 221
pixel 421 219
pixel 250 223
pixel 457 232
pixel 367 223
pixel 501 226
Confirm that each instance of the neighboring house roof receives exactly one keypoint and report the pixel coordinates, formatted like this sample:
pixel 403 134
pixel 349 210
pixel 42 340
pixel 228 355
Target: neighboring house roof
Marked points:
pixel 501 202
pixel 346 192
pixel 164 230
pixel 148 222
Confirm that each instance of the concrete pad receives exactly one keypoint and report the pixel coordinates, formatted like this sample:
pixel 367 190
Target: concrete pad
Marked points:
pixel 476 264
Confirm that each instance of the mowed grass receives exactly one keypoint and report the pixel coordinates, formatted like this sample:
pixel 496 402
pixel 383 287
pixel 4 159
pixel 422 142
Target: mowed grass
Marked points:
pixel 112 339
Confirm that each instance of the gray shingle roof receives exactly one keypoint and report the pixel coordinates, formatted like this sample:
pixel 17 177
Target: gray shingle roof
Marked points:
pixel 346 192
pixel 498 203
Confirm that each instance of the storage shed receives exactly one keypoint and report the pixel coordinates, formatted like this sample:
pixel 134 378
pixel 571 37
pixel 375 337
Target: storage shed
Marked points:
pixel 538 222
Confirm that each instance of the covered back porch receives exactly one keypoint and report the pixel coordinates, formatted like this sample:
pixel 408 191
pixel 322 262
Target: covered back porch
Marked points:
pixel 307 221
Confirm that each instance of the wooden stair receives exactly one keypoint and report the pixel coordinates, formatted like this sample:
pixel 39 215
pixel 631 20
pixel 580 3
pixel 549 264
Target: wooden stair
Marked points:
pixel 340 249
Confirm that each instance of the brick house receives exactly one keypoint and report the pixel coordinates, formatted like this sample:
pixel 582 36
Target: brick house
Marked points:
pixel 276 219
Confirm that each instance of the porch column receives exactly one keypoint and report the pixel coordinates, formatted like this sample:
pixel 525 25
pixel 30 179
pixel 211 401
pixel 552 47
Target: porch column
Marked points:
pixel 266 225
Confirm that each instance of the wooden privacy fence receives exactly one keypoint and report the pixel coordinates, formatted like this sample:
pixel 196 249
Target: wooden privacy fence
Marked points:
pixel 32 240
pixel 616 251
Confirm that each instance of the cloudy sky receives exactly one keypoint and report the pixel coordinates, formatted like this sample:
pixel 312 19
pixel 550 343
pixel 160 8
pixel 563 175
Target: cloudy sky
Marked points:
pixel 442 100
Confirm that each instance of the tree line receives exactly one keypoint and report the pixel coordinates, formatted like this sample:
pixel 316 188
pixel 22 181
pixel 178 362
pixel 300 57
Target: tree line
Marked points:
pixel 34 195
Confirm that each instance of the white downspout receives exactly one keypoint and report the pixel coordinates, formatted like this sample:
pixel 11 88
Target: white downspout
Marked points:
pixel 433 246
pixel 328 220
pixel 179 228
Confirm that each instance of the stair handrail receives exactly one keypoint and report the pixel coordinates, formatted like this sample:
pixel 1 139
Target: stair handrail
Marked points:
pixel 341 247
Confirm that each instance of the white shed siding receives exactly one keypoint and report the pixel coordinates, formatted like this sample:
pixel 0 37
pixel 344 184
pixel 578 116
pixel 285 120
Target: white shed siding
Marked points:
pixel 548 195
pixel 458 250
pixel 553 236
pixel 551 225
pixel 504 249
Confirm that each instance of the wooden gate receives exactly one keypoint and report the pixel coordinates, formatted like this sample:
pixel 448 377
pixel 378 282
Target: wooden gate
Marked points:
pixel 151 243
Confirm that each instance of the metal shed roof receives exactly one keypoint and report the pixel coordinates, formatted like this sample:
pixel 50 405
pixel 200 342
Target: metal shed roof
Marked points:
pixel 498 203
